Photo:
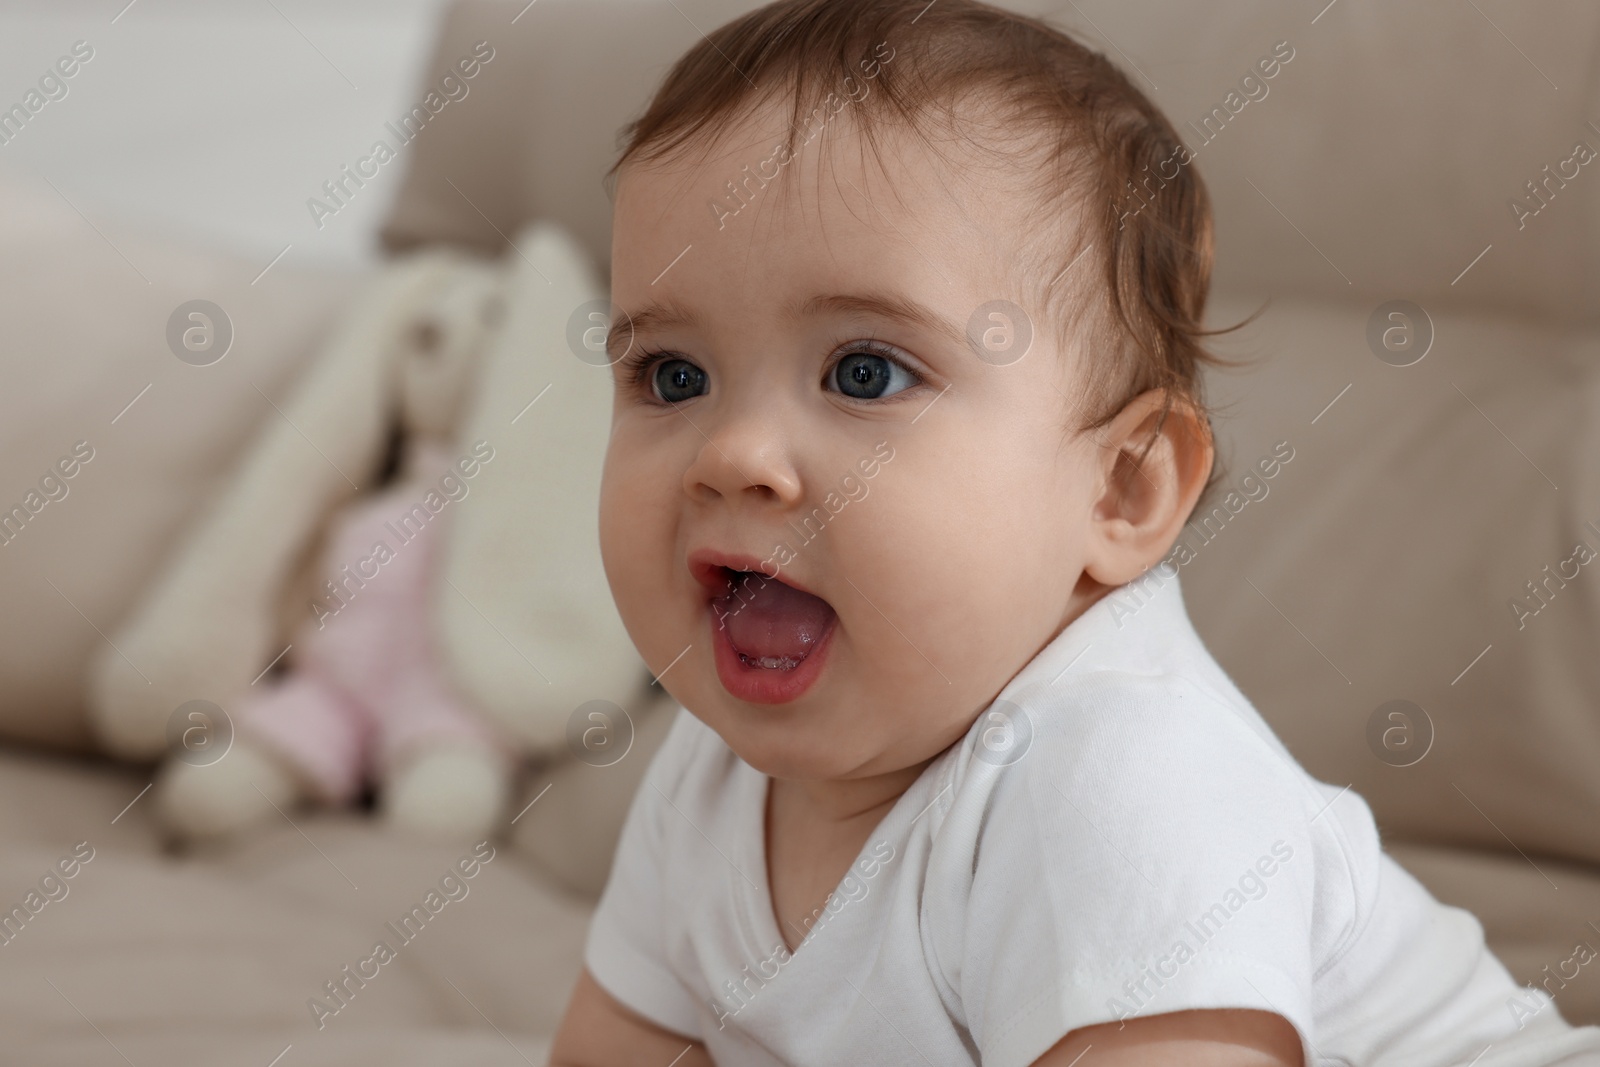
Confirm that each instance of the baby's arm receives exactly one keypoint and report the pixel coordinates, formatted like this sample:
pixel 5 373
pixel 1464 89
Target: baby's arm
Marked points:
pixel 1234 1037
pixel 597 1031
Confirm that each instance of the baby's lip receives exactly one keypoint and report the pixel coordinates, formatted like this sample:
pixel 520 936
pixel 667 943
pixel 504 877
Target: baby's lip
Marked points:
pixel 710 566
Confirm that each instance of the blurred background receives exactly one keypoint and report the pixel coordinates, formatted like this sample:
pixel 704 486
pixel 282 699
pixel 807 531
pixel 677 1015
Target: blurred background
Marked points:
pixel 214 122
pixel 239 345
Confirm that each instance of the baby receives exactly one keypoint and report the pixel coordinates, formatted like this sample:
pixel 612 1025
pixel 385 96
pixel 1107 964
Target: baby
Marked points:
pixel 904 387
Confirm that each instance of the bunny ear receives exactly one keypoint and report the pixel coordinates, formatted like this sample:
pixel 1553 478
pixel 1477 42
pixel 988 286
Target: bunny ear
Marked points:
pixel 206 628
pixel 528 628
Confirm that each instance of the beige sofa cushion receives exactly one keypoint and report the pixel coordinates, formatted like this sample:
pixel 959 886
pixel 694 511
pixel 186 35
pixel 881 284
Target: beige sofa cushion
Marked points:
pixel 85 315
pixel 1381 564
pixel 1379 163
pixel 210 957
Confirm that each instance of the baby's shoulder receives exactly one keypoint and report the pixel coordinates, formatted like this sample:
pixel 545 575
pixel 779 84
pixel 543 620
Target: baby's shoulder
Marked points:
pixel 1140 739
pixel 1126 839
pixel 1165 766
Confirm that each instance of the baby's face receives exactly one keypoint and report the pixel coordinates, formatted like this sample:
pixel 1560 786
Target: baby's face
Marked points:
pixel 817 413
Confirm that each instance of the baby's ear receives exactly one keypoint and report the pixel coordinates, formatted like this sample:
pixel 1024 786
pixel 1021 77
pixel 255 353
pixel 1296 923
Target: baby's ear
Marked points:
pixel 1155 458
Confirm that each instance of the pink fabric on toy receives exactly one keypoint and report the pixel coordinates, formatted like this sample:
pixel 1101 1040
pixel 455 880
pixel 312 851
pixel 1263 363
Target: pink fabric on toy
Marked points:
pixel 367 686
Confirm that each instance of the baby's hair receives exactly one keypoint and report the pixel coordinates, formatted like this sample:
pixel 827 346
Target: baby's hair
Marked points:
pixel 1075 122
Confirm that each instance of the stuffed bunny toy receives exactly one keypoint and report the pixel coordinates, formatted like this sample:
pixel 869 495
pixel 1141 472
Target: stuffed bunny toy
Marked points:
pixel 426 670
pixel 365 699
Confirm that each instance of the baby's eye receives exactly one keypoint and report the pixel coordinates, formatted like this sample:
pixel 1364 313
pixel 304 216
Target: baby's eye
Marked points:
pixel 677 380
pixel 866 374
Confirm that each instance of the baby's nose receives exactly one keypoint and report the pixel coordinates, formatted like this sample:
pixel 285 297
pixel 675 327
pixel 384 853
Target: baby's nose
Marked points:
pixel 744 457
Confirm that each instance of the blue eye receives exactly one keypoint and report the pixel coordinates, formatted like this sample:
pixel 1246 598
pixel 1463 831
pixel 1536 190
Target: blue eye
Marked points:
pixel 865 374
pixel 677 380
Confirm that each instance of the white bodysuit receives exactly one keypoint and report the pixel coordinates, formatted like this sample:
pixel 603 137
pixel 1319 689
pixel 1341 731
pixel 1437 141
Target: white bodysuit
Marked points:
pixel 1119 834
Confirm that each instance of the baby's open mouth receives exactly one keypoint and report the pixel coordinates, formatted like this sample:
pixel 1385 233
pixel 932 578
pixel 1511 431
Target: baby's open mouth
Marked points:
pixel 770 624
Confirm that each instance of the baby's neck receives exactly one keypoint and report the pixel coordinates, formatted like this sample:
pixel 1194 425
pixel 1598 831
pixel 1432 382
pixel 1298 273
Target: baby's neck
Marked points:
pixel 814 832
pixel 841 801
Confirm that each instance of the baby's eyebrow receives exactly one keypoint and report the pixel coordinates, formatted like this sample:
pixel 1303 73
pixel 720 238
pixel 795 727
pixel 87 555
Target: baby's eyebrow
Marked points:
pixel 891 306
pixel 658 316
pixel 666 314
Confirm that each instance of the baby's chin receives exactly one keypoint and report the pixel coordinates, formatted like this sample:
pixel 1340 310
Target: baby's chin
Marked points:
pixel 812 762
pixel 812 739
pixel 799 739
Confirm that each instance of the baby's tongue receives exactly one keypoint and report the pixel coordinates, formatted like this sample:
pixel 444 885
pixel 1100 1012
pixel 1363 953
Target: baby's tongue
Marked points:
pixel 770 621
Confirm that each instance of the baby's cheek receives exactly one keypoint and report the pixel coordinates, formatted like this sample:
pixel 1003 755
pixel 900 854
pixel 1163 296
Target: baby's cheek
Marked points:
pixel 968 577
pixel 926 572
pixel 626 540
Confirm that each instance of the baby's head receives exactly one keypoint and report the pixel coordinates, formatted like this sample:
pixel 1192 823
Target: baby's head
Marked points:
pixel 908 302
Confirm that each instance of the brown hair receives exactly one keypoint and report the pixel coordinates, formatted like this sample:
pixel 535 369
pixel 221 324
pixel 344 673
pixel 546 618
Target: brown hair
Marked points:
pixel 1100 135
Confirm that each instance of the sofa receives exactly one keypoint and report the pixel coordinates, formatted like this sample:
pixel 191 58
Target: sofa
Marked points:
pixel 1404 598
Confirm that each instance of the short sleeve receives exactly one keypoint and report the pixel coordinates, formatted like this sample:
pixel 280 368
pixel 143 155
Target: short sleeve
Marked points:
pixel 1154 855
pixel 625 949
